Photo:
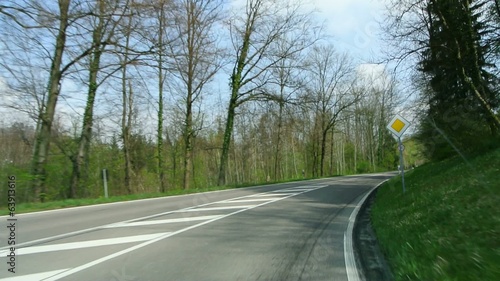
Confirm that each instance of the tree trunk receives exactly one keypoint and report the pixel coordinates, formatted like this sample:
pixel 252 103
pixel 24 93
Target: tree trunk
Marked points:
pixel 188 143
pixel 332 147
pixel 277 151
pixel 161 82
pixel 159 147
pixel 42 143
pixel 236 80
pixel 324 135
pixel 227 138
pixel 81 157
pixel 126 127
pixel 127 111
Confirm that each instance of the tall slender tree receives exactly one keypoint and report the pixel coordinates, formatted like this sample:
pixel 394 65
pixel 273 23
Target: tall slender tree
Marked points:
pixel 196 59
pixel 103 32
pixel 330 92
pixel 19 14
pixel 254 33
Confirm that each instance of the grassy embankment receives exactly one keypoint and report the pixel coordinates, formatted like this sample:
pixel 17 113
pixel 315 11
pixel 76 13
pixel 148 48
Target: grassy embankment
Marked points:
pixel 447 225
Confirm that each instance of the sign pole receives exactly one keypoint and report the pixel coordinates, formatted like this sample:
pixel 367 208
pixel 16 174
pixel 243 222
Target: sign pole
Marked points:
pixel 401 163
pixel 398 126
pixel 105 179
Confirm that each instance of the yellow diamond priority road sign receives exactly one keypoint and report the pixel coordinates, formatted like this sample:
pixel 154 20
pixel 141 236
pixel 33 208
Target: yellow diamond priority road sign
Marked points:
pixel 398 125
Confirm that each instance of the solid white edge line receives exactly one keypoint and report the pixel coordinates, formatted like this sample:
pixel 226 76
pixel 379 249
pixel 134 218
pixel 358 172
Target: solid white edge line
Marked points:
pixel 350 260
pixel 133 248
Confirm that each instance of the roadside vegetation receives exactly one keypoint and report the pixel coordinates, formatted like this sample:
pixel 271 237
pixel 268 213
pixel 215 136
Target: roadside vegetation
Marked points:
pixel 447 224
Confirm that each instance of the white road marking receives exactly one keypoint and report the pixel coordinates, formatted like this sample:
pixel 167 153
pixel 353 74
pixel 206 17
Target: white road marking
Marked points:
pixel 215 208
pixel 268 194
pixel 251 200
pixel 78 232
pixel 85 244
pixel 350 260
pixel 142 200
pixel 35 276
pixel 296 190
pixel 144 244
pixel 153 222
pixel 285 191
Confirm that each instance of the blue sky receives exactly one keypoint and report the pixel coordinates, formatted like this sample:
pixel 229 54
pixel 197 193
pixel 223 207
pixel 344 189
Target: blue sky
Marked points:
pixel 354 25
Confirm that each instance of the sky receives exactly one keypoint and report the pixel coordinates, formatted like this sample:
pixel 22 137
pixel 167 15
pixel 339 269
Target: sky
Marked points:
pixel 354 25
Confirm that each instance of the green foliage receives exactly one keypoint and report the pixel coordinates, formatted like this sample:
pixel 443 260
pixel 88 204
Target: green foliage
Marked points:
pixel 142 153
pixel 23 180
pixel 414 153
pixel 363 167
pixel 387 155
pixel 447 225
pixel 58 174
pixel 456 68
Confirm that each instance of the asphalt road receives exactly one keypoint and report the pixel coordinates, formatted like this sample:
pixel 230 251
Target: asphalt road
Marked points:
pixel 293 231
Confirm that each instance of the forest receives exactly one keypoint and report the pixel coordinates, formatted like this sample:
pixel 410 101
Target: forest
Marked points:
pixel 183 94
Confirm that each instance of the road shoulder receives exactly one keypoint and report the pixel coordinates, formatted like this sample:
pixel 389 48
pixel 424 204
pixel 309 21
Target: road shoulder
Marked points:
pixel 369 257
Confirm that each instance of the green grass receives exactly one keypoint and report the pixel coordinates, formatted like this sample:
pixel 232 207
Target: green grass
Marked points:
pixel 51 205
pixel 447 224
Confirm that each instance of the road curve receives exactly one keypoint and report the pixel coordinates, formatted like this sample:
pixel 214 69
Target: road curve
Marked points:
pixel 292 231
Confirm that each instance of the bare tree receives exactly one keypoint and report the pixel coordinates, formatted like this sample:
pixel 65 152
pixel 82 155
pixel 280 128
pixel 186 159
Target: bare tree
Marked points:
pixel 253 34
pixel 158 34
pixel 35 15
pixel 107 19
pixel 196 59
pixel 330 91
pixel 161 11
pixel 127 101
pixel 286 79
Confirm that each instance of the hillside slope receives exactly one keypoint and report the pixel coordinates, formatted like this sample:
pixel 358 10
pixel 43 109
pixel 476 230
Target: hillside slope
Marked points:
pixel 447 224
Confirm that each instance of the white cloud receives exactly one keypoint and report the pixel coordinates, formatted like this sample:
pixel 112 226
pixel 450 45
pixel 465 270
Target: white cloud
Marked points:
pixel 353 23
pixel 376 73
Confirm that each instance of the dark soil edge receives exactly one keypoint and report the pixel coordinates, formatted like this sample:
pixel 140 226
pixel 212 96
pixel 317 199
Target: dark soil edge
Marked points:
pixel 369 257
